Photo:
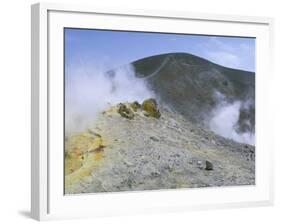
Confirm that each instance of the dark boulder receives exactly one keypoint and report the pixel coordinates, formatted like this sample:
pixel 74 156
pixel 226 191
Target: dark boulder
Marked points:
pixel 209 165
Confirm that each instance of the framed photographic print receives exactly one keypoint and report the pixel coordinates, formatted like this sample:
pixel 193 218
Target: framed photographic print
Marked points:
pixel 148 111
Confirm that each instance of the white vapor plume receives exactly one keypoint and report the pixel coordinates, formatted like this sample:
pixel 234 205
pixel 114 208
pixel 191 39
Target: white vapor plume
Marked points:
pixel 224 120
pixel 90 90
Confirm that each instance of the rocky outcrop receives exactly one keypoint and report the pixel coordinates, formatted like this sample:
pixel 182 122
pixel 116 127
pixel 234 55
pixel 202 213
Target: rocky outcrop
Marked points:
pixel 135 106
pixel 125 111
pixel 151 108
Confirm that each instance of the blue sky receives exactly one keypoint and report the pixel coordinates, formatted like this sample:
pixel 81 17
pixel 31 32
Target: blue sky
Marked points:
pixel 114 48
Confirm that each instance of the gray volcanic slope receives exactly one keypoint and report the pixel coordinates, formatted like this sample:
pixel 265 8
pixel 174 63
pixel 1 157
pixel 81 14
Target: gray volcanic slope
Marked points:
pixel 146 153
pixel 189 84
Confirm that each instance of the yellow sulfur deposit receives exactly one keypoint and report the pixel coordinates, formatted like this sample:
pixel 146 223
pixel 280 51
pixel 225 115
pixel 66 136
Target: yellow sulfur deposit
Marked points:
pixel 83 153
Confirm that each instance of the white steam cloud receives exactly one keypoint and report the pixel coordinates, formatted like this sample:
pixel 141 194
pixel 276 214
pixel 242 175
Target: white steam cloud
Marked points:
pixel 90 90
pixel 224 119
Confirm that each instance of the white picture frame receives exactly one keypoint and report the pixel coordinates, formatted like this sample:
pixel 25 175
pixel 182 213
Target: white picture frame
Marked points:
pixel 48 200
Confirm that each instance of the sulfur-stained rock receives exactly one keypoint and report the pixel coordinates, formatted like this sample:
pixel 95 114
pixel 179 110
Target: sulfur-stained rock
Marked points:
pixel 150 108
pixel 135 106
pixel 125 111
pixel 73 160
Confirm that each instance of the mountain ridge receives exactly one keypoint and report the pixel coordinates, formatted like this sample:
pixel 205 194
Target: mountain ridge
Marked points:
pixel 189 84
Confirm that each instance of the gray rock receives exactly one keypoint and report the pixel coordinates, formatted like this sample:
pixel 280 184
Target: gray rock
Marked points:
pixel 209 165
